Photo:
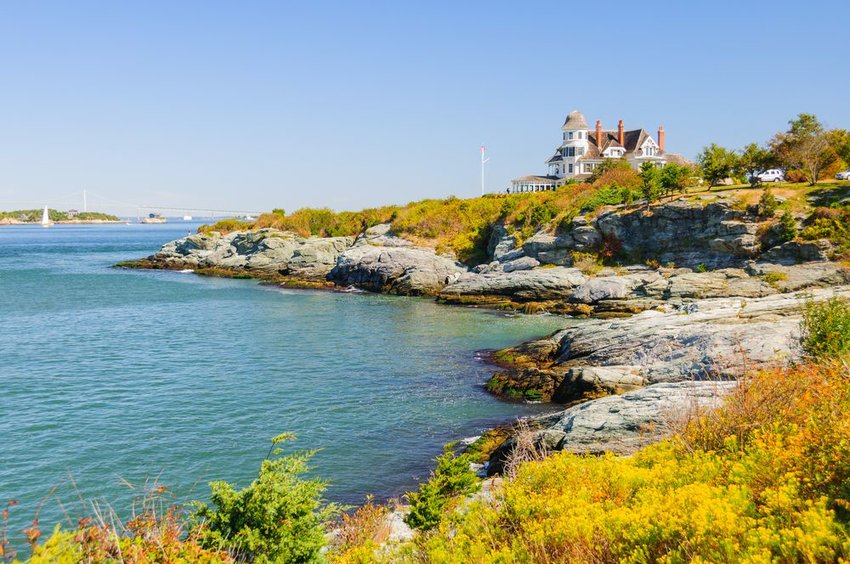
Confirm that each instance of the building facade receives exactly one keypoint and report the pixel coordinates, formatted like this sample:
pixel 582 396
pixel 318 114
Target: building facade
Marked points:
pixel 582 149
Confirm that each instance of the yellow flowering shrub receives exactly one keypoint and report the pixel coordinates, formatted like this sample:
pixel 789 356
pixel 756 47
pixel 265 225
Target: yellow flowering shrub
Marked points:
pixel 766 478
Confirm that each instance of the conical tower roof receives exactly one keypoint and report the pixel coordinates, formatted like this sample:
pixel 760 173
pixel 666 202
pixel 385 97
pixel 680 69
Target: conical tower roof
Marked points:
pixel 575 120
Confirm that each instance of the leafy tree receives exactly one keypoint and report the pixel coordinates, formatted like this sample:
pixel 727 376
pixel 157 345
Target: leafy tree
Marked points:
pixel 674 178
pixel 651 181
pixel 839 140
pixel 279 211
pixel 278 518
pixel 717 163
pixel 805 146
pixel 452 477
pixel 607 165
pixel 754 159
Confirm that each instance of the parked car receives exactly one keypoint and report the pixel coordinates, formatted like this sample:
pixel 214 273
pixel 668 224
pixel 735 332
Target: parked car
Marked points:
pixel 771 175
pixel 843 175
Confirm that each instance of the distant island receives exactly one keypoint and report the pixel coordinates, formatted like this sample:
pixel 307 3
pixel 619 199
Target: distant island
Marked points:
pixel 19 217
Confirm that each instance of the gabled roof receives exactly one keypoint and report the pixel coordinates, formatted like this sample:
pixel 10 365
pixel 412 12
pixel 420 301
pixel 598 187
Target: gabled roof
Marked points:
pixel 575 120
pixel 633 139
pixel 556 158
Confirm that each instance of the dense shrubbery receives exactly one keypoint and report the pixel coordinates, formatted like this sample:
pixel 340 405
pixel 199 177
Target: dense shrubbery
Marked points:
pixel 826 329
pixel 831 224
pixel 766 477
pixel 451 225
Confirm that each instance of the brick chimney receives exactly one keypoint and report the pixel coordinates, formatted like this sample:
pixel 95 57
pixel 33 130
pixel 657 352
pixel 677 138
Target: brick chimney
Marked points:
pixel 661 137
pixel 621 135
pixel 599 133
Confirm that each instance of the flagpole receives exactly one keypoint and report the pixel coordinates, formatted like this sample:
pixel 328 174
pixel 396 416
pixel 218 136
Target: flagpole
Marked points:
pixel 483 161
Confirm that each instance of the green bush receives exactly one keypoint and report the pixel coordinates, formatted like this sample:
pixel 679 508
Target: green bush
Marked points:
pixel 451 478
pixel 826 328
pixel 278 518
pixel 787 227
pixel 768 204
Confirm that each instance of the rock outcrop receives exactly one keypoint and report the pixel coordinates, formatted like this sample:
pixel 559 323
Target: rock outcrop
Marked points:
pixel 396 270
pixel 621 424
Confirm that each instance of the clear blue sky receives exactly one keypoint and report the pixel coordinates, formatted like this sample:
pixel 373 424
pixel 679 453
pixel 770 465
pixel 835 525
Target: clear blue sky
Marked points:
pixel 261 104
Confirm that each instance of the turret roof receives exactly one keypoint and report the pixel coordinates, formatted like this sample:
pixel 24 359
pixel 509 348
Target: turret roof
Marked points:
pixel 575 120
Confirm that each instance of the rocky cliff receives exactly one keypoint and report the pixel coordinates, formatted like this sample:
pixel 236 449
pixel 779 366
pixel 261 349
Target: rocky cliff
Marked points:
pixel 722 294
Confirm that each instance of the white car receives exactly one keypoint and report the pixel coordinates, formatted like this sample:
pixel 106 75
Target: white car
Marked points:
pixel 771 175
pixel 843 175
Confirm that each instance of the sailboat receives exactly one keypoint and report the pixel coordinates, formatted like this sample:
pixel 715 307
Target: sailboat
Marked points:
pixel 45 218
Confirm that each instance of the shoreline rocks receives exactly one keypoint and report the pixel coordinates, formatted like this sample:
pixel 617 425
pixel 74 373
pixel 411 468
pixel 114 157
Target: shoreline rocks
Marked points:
pixel 662 335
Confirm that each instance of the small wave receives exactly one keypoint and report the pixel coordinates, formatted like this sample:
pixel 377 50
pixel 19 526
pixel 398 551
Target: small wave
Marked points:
pixel 186 271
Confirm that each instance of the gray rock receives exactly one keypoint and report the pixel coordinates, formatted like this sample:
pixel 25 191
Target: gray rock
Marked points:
pixel 408 271
pixel 500 242
pixel 523 285
pixel 522 263
pixel 594 381
pixel 628 422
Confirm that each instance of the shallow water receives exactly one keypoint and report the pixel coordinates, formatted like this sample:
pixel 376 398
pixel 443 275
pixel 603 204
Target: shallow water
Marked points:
pixel 111 375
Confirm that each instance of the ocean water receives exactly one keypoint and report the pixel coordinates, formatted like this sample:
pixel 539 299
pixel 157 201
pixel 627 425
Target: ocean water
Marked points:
pixel 111 377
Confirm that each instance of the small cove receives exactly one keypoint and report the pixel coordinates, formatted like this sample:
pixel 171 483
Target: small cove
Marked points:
pixel 111 375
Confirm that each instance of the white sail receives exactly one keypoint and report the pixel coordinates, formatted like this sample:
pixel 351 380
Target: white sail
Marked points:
pixel 45 218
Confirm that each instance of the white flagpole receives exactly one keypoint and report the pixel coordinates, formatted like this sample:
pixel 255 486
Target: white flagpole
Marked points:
pixel 483 161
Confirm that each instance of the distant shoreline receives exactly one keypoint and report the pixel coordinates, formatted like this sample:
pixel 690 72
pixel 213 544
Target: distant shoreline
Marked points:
pixel 9 221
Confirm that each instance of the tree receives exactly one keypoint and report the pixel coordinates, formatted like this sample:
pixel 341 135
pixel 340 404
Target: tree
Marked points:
pixel 839 140
pixel 650 176
pixel 754 159
pixel 605 166
pixel 674 178
pixel 805 146
pixel 717 163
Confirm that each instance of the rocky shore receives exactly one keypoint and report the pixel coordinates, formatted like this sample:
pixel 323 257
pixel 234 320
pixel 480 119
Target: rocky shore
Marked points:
pixel 705 291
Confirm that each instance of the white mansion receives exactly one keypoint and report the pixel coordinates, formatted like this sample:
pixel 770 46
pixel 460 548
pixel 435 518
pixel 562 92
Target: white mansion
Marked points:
pixel 582 149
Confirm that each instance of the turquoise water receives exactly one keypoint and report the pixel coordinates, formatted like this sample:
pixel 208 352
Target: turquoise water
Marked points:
pixel 112 375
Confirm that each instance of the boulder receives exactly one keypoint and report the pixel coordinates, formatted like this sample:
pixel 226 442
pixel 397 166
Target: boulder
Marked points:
pixel 399 270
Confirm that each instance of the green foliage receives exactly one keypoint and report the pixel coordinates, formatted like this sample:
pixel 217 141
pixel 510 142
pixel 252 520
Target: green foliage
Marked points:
pixel 717 163
pixel 610 195
pixel 279 517
pixel 831 224
pixel 651 181
pixel 826 329
pixel 451 478
pixel 34 216
pixel 754 159
pixel 768 204
pixel 787 228
pixel 608 165
pixel 279 211
pixel 701 267
pixel 224 226
pixel 674 178
pixel 805 145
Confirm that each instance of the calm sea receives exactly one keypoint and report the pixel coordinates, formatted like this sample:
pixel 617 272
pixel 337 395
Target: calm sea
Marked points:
pixel 110 377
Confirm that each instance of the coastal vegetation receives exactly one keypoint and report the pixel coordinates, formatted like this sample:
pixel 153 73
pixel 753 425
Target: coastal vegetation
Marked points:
pixel 462 227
